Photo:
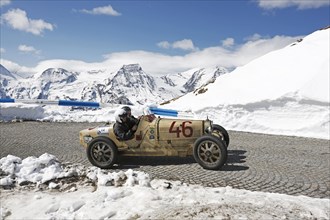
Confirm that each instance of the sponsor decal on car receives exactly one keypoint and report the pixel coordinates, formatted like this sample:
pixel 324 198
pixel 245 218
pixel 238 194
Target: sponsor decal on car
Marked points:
pixel 152 133
pixel 103 130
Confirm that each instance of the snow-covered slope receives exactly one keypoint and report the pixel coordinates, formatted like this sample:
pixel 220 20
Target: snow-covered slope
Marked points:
pixel 284 91
pixel 292 71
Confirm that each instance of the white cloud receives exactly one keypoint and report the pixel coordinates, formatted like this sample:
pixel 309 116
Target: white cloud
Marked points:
pixel 164 44
pixel 229 42
pixel 28 49
pixel 153 63
pixel 300 4
pixel 2 50
pixel 160 64
pixel 259 46
pixel 157 63
pixel 185 44
pixel 16 68
pixel 17 19
pixel 254 37
pixel 4 2
pixel 105 10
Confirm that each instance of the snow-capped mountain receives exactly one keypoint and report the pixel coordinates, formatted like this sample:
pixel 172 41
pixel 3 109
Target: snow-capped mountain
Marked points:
pixel 41 86
pixel 190 80
pixel 129 85
pixel 53 79
pixel 199 77
pixel 57 76
pixel 5 74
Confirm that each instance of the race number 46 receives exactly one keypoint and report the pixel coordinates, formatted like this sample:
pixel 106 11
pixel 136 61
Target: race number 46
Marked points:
pixel 184 128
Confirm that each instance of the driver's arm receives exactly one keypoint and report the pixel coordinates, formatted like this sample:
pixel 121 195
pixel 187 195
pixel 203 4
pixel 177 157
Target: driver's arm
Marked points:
pixel 134 120
pixel 122 134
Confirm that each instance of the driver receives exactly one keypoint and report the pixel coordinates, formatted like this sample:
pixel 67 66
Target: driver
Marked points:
pixel 126 124
pixel 132 120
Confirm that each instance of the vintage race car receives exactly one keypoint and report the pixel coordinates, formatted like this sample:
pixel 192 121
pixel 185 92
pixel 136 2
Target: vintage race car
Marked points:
pixel 156 136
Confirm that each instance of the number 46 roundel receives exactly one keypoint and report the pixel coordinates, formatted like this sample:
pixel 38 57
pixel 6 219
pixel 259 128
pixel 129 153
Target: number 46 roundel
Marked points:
pixel 186 130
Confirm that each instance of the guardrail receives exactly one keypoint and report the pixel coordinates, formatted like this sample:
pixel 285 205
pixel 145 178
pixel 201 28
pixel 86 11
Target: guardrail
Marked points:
pixel 152 110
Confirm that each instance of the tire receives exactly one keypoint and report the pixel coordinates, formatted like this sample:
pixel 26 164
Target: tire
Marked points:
pixel 210 152
pixel 222 132
pixel 102 152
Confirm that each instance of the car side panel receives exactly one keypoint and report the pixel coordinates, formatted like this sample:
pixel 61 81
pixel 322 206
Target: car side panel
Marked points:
pixel 179 134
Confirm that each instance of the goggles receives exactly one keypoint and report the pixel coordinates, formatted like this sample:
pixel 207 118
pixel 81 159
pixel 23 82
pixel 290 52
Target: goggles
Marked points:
pixel 123 115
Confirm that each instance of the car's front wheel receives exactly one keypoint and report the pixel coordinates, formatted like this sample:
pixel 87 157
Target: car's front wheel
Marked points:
pixel 102 152
pixel 210 152
pixel 221 132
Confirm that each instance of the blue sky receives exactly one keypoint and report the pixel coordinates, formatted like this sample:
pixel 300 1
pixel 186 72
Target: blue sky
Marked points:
pixel 38 33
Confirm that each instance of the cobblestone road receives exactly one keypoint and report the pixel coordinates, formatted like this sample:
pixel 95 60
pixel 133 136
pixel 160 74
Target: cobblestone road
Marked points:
pixel 257 162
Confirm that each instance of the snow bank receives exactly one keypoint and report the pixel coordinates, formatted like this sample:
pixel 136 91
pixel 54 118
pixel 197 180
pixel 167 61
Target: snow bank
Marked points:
pixel 65 114
pixel 43 169
pixel 133 195
pixel 282 117
pixel 11 111
pixel 31 169
pixel 285 116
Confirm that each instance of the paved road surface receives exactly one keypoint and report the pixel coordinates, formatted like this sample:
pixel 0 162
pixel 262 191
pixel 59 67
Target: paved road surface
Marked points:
pixel 257 162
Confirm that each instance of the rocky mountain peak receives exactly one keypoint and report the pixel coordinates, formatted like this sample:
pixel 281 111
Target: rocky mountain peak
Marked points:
pixel 203 76
pixel 219 71
pixel 57 75
pixel 131 68
pixel 132 76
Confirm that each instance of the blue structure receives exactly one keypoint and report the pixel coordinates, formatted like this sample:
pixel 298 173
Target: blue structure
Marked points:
pixel 153 110
pixel 53 102
pixel 164 112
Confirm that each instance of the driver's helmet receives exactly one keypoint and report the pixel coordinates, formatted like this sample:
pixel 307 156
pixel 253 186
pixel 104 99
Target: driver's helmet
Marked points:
pixel 120 114
pixel 128 110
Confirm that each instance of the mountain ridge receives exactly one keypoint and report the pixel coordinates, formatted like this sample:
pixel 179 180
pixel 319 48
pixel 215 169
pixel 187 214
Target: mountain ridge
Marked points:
pixel 129 85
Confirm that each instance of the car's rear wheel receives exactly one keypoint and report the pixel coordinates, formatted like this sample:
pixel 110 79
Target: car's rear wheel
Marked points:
pixel 221 132
pixel 102 152
pixel 210 152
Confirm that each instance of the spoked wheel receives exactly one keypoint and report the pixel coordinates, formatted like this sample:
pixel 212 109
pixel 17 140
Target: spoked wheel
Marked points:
pixel 210 152
pixel 221 132
pixel 102 152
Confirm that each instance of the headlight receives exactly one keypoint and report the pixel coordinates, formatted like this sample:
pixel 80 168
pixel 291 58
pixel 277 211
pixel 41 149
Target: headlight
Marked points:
pixel 208 126
pixel 208 129
pixel 87 139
